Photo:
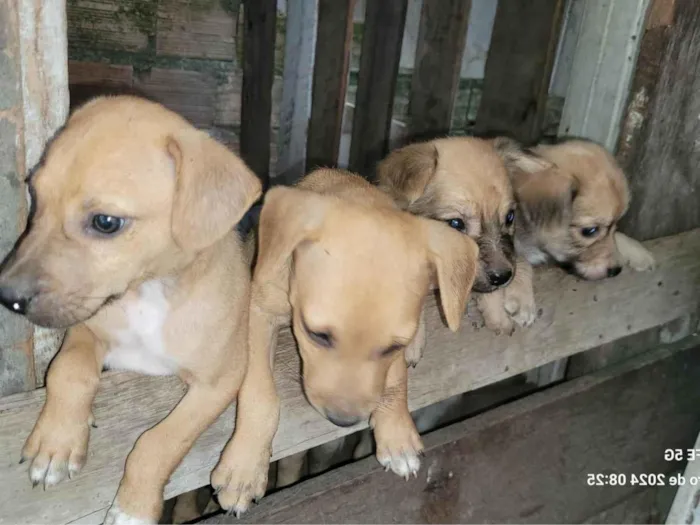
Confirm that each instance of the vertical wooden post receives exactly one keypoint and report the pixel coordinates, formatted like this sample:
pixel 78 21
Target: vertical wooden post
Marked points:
pixel 258 74
pixel 441 37
pixel 518 68
pixel 333 44
pixel 379 67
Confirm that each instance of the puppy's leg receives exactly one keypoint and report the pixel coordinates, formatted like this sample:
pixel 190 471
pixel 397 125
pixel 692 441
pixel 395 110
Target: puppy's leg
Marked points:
pixel 290 469
pixel 241 475
pixel 520 297
pixel 414 351
pixel 159 450
pixel 398 442
pixel 492 308
pixel 633 254
pixel 58 443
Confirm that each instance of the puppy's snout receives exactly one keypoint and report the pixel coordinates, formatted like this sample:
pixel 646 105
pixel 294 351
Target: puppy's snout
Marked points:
pixel 341 419
pixel 500 276
pixel 14 300
pixel 614 271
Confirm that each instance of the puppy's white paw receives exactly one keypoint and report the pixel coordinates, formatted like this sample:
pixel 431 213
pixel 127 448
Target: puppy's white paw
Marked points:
pixel 398 445
pixel 633 254
pixel 116 516
pixel 521 309
pixel 57 450
pixel 240 479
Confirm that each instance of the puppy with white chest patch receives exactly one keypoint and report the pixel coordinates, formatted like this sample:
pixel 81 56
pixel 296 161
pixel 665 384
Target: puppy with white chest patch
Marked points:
pixel 350 271
pixel 463 182
pixel 132 247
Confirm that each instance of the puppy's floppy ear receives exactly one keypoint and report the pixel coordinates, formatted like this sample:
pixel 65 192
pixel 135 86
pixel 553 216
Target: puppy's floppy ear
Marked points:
pixel 289 217
pixel 406 172
pixel 545 194
pixel 213 190
pixel 454 258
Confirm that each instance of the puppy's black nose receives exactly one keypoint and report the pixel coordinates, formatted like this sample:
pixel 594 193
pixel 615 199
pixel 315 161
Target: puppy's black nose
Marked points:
pixel 615 270
pixel 12 300
pixel 500 277
pixel 341 419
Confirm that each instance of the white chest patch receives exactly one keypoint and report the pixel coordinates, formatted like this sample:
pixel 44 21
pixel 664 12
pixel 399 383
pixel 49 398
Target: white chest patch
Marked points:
pixel 140 347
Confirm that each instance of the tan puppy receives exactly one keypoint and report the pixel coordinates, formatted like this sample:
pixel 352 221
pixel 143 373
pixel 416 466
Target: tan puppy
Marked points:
pixel 131 246
pixel 570 198
pixel 463 182
pixel 350 272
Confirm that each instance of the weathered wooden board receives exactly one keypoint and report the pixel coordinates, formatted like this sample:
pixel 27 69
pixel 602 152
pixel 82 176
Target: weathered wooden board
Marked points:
pixel 505 466
pixel 376 82
pixel 258 74
pixel 333 41
pixel 518 68
pixel 441 36
pixel 575 316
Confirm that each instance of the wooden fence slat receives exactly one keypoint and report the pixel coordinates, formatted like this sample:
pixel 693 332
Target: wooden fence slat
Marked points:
pixel 518 68
pixel 504 465
pixel 575 316
pixel 333 41
pixel 256 94
pixel 379 66
pixel 441 37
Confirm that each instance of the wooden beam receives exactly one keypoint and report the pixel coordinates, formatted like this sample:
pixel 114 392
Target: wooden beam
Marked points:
pixel 575 316
pixel 518 68
pixel 379 67
pixel 663 156
pixel 333 43
pixel 256 94
pixel 441 37
pixel 505 465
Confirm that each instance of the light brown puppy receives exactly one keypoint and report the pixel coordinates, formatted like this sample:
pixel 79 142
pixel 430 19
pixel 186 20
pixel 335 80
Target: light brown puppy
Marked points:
pixel 570 197
pixel 463 182
pixel 132 248
pixel 350 271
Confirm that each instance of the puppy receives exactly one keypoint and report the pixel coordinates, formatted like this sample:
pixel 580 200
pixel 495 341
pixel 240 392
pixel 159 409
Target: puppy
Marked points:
pixel 350 271
pixel 570 198
pixel 463 182
pixel 131 247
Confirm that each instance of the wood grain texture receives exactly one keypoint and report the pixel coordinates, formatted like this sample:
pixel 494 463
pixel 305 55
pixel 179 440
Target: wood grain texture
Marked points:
pixel 333 42
pixel 258 75
pixel 504 466
pixel 376 83
pixel 575 316
pixel 518 68
pixel 662 163
pixel 441 36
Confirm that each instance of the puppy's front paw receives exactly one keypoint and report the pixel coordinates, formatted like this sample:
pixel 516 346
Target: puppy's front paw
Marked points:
pixel 398 445
pixel 520 307
pixel 493 311
pixel 634 254
pixel 116 516
pixel 56 447
pixel 240 478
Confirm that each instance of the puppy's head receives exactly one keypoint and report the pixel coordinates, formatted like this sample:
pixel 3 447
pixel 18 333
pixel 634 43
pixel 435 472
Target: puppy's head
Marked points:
pixel 125 192
pixel 356 279
pixel 464 183
pixel 570 198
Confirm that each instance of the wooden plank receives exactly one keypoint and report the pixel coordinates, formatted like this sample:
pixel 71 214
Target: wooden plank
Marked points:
pixel 376 83
pixel 663 160
pixel 258 74
pixel 518 68
pixel 333 42
pixel 507 465
pixel 575 316
pixel 603 64
pixel 441 37
pixel 295 108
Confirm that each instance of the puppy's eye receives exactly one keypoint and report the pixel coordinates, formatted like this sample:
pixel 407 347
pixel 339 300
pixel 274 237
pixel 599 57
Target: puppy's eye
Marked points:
pixel 106 224
pixel 324 339
pixel 392 349
pixel 457 224
pixel 590 232
pixel 510 218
